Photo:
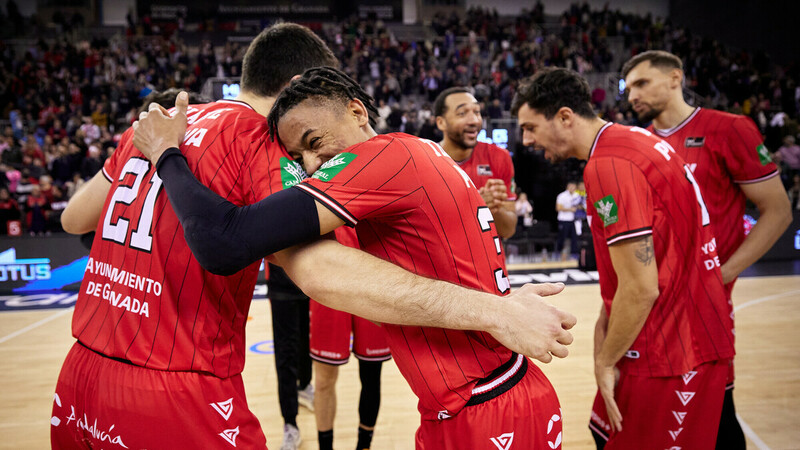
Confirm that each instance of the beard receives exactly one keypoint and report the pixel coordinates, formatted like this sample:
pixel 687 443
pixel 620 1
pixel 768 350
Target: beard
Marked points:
pixel 460 140
pixel 649 114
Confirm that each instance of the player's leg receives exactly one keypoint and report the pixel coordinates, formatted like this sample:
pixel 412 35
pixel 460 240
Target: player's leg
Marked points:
pixel 371 349
pixel 305 393
pixel 325 402
pixel 101 401
pixel 730 435
pixel 286 337
pixel 520 407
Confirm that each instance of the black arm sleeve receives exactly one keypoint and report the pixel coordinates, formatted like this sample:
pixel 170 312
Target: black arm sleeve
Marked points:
pixel 225 238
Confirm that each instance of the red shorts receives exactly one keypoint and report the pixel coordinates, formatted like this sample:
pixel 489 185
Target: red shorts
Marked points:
pixel 665 412
pixel 330 337
pixel 527 415
pixel 104 403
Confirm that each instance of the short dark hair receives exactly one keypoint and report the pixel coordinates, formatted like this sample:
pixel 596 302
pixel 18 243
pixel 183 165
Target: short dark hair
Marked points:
pixel 324 83
pixel 440 104
pixel 280 52
pixel 657 58
pixel 167 99
pixel 552 89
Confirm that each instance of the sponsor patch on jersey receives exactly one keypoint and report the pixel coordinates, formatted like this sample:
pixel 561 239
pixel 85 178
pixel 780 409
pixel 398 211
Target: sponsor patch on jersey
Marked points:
pixel 763 154
pixel 694 142
pixel 333 166
pixel 607 209
pixel 291 172
pixel 484 170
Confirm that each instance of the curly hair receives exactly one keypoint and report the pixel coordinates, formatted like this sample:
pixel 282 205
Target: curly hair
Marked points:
pixel 325 83
pixel 552 89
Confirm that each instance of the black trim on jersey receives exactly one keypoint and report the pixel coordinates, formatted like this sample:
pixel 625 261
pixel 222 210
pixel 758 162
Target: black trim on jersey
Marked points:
pixel 477 399
pixel 225 238
pixel 630 233
pixel 322 197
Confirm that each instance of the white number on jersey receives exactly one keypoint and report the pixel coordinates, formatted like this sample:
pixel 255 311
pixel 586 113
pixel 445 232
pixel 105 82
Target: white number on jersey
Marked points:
pixel 703 209
pixel 141 237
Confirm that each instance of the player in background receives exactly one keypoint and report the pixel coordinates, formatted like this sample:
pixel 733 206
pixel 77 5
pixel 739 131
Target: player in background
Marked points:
pixel 727 156
pixel 664 331
pixel 413 206
pixel 458 116
pixel 160 340
pixel 331 331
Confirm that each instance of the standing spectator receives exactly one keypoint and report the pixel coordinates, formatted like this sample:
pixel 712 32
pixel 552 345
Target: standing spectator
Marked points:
pixel 92 163
pixel 789 156
pixel 9 210
pixel 524 212
pixel 37 206
pixel 566 205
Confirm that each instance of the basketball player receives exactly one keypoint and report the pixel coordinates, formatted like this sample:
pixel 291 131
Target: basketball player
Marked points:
pixel 410 204
pixel 726 154
pixel 664 329
pixel 458 116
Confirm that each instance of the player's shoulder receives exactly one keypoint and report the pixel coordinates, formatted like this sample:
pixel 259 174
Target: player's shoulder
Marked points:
pixel 397 142
pixel 491 150
pixel 725 120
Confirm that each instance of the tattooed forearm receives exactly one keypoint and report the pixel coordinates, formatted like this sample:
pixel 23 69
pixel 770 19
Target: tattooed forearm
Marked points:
pixel 644 252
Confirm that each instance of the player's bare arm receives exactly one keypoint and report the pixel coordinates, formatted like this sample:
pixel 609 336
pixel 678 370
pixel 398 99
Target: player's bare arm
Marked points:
pixel 775 215
pixel 84 208
pixel 495 194
pixel 634 263
pixel 344 278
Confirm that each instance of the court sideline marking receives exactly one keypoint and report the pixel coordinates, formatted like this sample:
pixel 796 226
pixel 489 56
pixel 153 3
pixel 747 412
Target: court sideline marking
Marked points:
pixel 35 325
pixel 745 427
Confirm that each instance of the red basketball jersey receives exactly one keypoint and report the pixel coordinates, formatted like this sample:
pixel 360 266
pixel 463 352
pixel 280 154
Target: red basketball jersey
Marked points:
pixel 637 186
pixel 412 205
pixel 144 297
pixel 723 150
pixel 490 161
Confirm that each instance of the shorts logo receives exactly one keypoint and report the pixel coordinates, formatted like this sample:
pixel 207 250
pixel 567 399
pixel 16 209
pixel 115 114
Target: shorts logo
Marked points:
pixel 230 435
pixel 694 142
pixel 445 415
pixel 679 416
pixel 333 166
pixel 763 154
pixel 685 397
pixel 553 419
pixel 291 172
pixel 687 377
pixel 675 434
pixel 632 354
pixel 485 170
pixel 503 442
pixel 224 408
pixel 607 209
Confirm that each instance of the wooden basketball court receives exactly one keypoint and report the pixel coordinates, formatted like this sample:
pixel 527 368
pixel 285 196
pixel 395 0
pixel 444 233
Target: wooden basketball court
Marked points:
pixel 34 343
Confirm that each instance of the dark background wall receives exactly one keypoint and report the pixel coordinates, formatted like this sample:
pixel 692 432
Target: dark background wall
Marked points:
pixel 770 26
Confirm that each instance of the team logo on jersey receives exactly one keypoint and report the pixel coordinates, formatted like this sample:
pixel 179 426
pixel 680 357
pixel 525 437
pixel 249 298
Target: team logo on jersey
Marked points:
pixel 763 154
pixel 230 435
pixel 333 166
pixel 694 142
pixel 224 408
pixel 484 170
pixel 503 442
pixel 291 172
pixel 607 209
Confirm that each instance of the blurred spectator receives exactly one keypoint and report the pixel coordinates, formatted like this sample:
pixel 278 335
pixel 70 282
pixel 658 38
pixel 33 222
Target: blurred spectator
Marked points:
pixel 9 210
pixel 92 163
pixel 524 212
pixel 794 192
pixel 37 207
pixel 788 155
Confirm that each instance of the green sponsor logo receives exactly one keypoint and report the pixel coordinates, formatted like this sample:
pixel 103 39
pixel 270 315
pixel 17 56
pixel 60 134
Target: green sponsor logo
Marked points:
pixel 291 172
pixel 763 154
pixel 330 169
pixel 607 209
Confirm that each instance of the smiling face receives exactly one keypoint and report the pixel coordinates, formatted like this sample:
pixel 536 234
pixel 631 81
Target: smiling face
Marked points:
pixel 543 134
pixel 462 120
pixel 650 89
pixel 316 130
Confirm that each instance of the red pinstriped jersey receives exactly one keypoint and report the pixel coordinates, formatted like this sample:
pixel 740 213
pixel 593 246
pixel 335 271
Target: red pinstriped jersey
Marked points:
pixel 413 206
pixel 638 186
pixel 490 161
pixel 144 297
pixel 724 151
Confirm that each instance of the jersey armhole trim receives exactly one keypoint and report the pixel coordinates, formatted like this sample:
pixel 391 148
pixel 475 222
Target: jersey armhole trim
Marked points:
pixel 629 234
pixel 334 206
pixel 106 175
pixel 759 179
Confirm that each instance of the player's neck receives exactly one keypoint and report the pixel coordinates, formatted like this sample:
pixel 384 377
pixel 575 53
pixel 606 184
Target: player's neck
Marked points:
pixel 673 115
pixel 262 105
pixel 586 135
pixel 457 152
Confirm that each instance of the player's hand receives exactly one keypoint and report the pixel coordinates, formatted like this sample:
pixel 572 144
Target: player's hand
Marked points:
pixel 607 377
pixel 530 326
pixel 494 193
pixel 156 130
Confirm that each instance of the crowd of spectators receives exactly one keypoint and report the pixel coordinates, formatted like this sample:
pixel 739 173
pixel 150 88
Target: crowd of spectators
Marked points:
pixel 66 102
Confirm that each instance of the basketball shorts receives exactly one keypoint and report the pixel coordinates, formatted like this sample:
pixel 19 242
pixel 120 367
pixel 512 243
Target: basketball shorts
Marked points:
pixel 105 403
pixel 665 412
pixel 330 337
pixel 517 409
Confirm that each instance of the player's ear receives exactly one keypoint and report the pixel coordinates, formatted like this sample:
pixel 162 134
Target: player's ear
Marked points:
pixel 441 124
pixel 676 77
pixel 359 111
pixel 564 116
